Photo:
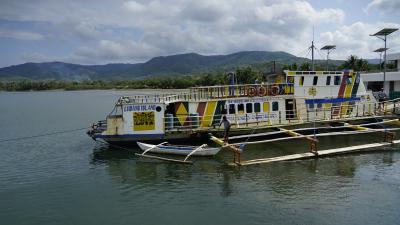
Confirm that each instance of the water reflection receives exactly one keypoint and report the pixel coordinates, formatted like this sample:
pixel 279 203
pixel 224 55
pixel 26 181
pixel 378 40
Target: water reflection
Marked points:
pixel 387 158
pixel 103 153
pixel 285 179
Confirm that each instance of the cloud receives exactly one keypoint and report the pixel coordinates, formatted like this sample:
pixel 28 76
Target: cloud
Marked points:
pixel 107 51
pixel 355 39
pixel 20 35
pixel 134 6
pixel 102 31
pixel 35 57
pixel 86 31
pixel 384 6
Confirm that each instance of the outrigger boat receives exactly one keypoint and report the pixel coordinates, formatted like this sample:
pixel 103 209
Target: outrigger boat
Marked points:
pixel 164 148
pixel 188 151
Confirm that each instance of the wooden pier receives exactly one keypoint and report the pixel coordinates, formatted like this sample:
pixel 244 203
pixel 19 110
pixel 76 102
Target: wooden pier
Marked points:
pixel 327 152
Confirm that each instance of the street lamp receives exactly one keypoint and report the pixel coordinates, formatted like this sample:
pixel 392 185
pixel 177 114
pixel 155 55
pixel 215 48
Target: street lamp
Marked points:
pixel 380 50
pixel 382 34
pixel 328 48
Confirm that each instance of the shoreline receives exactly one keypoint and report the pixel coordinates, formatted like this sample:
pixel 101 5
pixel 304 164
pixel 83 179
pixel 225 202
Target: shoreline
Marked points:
pixel 106 89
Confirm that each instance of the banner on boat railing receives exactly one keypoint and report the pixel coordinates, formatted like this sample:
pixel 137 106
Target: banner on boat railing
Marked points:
pixel 143 121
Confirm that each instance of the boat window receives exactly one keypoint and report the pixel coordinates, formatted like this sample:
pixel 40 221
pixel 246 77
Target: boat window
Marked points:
pixel 232 109
pixel 315 81
pixel 328 80
pixel 249 107
pixel 241 108
pixel 301 81
pixel 337 80
pixel 349 80
pixel 275 106
pixel 311 106
pixel 223 109
pixel 266 106
pixel 319 105
pixel 257 107
pixel 290 79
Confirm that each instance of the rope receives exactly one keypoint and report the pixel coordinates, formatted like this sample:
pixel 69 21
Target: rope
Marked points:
pixel 43 135
pixel 112 145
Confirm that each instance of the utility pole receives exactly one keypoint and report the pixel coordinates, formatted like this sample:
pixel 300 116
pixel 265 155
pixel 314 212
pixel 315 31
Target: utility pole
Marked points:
pixel 384 32
pixel 312 55
pixel 328 48
pixel 380 50
pixel 312 50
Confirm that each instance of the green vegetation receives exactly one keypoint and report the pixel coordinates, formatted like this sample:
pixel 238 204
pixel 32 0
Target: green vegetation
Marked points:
pixel 245 75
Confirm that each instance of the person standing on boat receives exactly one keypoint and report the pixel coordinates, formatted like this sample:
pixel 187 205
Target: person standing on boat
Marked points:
pixel 382 97
pixel 227 126
pixel 232 81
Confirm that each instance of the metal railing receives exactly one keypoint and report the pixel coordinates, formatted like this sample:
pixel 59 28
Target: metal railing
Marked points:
pixel 214 92
pixel 366 109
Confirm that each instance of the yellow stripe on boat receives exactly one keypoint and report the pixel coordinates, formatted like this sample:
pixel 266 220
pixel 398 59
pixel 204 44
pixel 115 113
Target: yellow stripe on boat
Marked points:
pixel 209 114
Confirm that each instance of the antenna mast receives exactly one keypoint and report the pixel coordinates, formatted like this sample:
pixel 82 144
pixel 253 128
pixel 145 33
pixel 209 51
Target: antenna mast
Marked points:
pixel 312 50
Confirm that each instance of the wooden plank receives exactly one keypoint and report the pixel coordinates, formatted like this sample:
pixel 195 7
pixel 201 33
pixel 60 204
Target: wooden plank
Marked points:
pixel 231 147
pixel 295 134
pixel 320 153
pixel 356 127
pixel 164 159
pixel 321 135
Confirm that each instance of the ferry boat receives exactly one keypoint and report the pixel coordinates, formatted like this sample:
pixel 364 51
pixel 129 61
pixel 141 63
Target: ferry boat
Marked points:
pixel 304 99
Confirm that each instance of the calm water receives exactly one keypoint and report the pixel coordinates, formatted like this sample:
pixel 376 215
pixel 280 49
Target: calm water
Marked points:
pixel 70 179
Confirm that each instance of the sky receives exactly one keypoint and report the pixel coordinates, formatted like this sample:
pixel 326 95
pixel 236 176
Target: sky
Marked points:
pixel 132 31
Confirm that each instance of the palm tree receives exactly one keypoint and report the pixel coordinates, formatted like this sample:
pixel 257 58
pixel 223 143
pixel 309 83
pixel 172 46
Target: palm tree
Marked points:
pixel 355 63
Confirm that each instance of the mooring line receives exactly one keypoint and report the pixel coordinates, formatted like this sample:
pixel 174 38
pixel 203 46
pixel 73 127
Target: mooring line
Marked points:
pixel 43 135
pixel 112 145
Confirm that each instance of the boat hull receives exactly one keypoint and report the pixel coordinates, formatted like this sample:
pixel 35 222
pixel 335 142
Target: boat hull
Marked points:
pixel 202 136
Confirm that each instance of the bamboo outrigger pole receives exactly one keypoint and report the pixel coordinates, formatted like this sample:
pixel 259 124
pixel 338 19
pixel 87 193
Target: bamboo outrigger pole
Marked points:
pixel 164 159
pixel 320 153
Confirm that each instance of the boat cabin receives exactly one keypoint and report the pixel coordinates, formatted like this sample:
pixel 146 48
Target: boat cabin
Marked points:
pixel 305 96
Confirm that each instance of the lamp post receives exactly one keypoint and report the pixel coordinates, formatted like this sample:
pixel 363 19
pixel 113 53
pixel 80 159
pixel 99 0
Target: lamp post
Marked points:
pixel 328 48
pixel 380 50
pixel 382 34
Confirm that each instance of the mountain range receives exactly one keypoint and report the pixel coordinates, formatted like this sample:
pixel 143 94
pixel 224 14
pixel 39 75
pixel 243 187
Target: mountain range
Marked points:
pixel 182 64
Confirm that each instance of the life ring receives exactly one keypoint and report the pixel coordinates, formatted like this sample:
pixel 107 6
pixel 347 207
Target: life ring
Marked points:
pixel 274 90
pixel 251 92
pixel 262 91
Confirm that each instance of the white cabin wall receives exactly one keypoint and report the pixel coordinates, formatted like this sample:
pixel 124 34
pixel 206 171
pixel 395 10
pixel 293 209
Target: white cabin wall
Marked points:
pixel 129 112
pixel 322 91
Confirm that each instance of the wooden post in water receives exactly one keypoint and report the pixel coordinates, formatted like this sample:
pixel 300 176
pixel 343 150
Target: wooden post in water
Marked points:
pixel 313 146
pixel 363 110
pixel 388 136
pixel 394 107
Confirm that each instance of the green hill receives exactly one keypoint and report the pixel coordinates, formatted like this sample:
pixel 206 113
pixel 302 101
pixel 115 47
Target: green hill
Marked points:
pixel 183 64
